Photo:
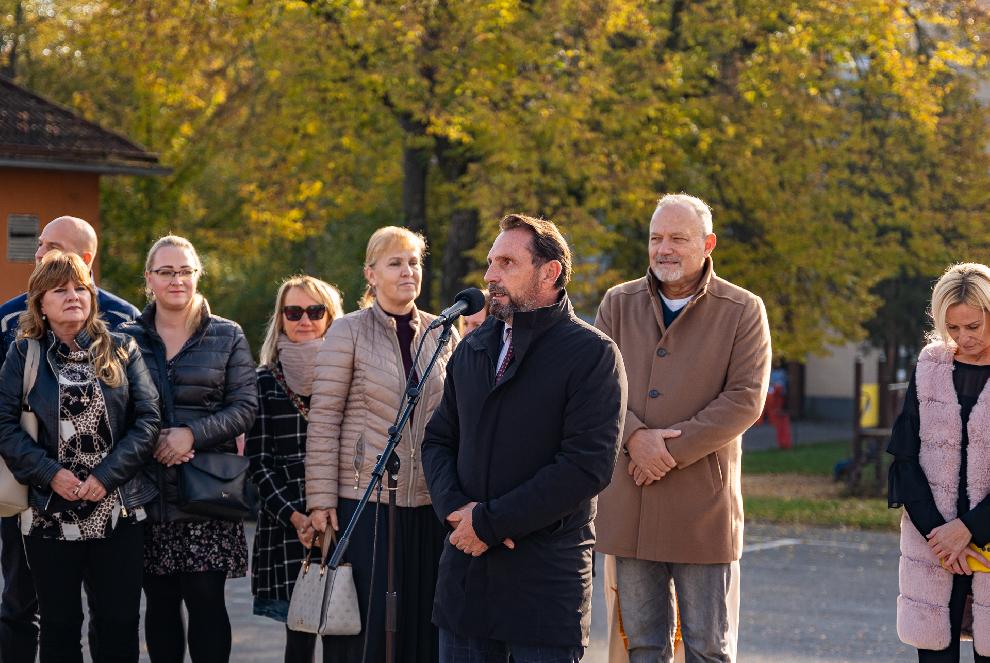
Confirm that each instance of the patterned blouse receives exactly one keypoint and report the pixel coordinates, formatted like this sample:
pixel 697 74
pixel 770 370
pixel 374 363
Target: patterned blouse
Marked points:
pixel 84 440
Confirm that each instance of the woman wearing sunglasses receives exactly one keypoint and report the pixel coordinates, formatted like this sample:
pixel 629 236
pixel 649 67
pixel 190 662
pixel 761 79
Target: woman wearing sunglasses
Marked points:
pixel 358 388
pixel 304 309
pixel 205 375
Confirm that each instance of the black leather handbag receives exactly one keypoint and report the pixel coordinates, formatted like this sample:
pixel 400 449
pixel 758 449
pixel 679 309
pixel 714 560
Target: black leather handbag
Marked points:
pixel 214 485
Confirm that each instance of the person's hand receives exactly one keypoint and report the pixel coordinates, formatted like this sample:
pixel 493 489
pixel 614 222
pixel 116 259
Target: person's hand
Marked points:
pixel 464 537
pixel 91 489
pixel 948 541
pixel 648 453
pixel 304 528
pixel 638 475
pixel 175 446
pixel 66 485
pixel 320 518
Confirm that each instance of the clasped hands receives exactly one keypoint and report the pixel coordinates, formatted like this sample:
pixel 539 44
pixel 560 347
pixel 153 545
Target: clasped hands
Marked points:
pixel 950 543
pixel 174 446
pixel 649 459
pixel 72 489
pixel 464 537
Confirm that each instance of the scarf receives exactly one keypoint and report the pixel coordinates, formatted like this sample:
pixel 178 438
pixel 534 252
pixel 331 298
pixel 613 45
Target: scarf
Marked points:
pixel 298 361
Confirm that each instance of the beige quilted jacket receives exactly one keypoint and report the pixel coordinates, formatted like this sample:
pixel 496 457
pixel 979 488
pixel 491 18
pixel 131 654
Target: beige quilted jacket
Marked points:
pixel 357 391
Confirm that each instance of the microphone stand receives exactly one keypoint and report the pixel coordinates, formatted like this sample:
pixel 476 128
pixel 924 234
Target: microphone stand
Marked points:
pixel 390 461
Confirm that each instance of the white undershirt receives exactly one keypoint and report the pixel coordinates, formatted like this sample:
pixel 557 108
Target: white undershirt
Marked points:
pixel 676 304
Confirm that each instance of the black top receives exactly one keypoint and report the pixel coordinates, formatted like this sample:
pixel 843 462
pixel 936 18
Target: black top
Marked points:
pixel 405 333
pixel 907 485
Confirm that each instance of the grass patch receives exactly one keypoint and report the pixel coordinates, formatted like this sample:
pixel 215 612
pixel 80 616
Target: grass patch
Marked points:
pixel 854 512
pixel 812 459
pixel 794 487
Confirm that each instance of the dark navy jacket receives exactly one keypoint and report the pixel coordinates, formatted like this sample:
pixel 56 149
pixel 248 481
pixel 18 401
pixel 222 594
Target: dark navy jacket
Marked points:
pixel 533 450
pixel 114 311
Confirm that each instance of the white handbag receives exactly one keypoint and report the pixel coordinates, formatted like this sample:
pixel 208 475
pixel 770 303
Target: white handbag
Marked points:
pixel 324 601
pixel 13 494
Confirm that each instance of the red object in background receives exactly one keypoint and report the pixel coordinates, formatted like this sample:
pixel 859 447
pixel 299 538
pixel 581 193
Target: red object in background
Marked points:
pixel 775 413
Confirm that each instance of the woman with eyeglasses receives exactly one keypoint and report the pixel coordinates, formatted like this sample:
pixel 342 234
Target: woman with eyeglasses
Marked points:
pixel 358 387
pixel 97 415
pixel 305 307
pixel 204 372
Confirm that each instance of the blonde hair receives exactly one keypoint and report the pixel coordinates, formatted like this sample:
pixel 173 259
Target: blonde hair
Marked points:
pixel 965 283
pixel 381 241
pixel 175 241
pixel 55 269
pixel 321 291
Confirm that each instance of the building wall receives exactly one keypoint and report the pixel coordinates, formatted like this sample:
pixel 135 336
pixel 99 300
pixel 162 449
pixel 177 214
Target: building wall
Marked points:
pixel 829 380
pixel 45 194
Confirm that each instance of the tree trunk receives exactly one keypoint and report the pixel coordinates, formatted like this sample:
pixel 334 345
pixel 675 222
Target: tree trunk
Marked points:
pixel 462 235
pixel 415 168
pixel 9 71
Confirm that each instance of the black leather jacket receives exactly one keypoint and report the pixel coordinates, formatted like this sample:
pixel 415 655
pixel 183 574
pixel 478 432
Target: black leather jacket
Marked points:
pixel 209 386
pixel 132 410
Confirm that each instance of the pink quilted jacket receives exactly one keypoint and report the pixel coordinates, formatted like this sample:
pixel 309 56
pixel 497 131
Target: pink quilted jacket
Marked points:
pixel 357 391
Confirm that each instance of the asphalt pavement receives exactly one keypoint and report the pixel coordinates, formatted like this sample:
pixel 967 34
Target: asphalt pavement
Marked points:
pixel 809 595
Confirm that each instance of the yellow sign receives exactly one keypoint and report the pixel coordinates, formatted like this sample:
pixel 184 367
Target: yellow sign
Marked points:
pixel 869 405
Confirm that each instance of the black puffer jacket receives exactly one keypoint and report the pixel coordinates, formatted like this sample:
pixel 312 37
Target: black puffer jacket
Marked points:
pixel 132 410
pixel 208 387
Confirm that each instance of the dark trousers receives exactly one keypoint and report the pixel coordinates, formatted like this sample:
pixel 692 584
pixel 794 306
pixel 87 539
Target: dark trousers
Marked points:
pixel 962 586
pixel 209 626
pixel 419 541
pixel 112 570
pixel 460 649
pixel 19 607
pixel 301 648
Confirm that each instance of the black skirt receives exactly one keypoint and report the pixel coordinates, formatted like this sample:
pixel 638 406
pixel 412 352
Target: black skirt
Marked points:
pixel 420 536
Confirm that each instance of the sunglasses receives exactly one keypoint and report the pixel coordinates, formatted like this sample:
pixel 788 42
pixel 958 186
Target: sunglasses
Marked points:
pixel 295 313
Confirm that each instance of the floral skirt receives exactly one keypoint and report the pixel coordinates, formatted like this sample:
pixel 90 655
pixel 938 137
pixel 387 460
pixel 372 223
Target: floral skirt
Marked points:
pixel 191 546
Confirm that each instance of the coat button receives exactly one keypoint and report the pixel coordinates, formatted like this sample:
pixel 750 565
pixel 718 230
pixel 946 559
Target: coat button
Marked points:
pixel 654 393
pixel 662 352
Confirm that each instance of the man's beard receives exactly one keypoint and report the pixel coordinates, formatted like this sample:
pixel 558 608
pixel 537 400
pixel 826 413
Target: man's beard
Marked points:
pixel 525 302
pixel 668 271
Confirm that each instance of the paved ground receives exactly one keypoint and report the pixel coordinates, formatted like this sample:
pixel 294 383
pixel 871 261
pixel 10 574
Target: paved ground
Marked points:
pixel 809 595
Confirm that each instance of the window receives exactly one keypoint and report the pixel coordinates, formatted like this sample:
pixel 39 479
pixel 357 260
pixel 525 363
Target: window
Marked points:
pixel 22 237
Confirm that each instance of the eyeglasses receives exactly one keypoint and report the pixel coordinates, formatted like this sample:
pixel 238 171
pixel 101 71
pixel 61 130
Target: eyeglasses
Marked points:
pixel 169 274
pixel 295 313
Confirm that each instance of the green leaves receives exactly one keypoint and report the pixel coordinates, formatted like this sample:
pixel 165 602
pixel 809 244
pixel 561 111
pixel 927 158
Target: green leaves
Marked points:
pixel 839 144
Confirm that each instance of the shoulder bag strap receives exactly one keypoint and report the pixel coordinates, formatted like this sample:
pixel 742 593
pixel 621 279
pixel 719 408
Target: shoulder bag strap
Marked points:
pixel 30 368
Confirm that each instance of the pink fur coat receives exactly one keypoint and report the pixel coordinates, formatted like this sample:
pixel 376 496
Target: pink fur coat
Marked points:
pixel 923 604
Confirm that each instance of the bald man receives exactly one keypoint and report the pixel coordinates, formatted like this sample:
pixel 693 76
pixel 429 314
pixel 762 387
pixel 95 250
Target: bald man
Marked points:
pixel 18 611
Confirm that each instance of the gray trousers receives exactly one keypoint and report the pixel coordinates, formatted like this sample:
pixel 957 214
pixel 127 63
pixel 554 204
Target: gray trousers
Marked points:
pixel 707 597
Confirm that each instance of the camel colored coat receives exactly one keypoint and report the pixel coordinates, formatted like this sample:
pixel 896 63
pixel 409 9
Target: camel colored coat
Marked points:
pixel 707 376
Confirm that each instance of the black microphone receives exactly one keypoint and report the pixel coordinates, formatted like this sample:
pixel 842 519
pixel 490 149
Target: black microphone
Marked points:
pixel 467 302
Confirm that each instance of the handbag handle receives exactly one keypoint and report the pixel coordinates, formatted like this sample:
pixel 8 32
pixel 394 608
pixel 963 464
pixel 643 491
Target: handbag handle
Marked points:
pixel 323 542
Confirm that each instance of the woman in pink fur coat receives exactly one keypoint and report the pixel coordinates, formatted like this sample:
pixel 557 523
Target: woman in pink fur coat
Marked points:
pixel 941 473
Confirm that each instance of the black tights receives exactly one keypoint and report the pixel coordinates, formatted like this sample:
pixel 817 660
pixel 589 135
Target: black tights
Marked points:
pixel 961 587
pixel 301 648
pixel 209 625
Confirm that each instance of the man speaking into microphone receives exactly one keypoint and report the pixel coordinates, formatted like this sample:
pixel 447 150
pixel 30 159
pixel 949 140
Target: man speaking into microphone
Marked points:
pixel 525 437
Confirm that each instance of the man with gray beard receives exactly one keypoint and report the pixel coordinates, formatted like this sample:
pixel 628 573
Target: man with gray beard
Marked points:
pixel 697 355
